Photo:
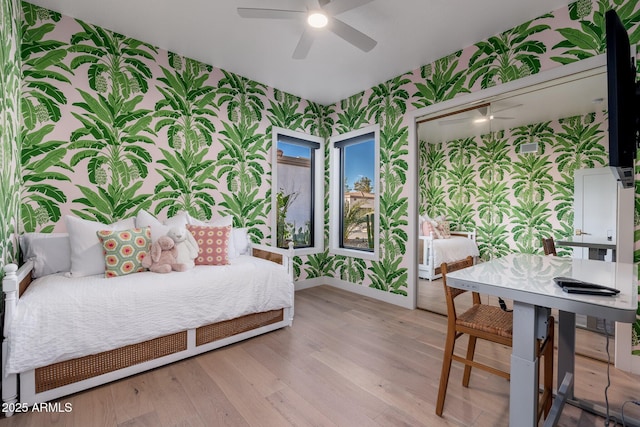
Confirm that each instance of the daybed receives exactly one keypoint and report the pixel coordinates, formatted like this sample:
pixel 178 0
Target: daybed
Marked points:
pixel 66 334
pixel 432 251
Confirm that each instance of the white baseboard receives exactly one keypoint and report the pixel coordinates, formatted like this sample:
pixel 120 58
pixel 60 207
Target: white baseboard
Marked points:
pixel 310 283
pixel 400 300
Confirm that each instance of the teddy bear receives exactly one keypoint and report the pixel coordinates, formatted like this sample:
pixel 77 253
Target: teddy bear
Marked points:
pixel 185 244
pixel 163 257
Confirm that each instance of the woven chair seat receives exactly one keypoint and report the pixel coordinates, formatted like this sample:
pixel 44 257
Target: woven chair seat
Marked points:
pixel 489 319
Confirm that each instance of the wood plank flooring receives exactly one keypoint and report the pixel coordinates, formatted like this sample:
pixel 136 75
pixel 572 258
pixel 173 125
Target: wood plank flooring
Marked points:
pixel 346 361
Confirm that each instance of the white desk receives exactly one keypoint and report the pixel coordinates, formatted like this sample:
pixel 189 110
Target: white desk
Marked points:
pixel 598 246
pixel 528 281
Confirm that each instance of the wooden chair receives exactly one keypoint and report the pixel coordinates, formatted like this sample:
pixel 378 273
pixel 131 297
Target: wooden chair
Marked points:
pixel 489 323
pixel 549 246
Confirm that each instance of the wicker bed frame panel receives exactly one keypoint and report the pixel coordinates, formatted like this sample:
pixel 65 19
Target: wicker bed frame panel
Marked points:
pixel 227 328
pixel 82 368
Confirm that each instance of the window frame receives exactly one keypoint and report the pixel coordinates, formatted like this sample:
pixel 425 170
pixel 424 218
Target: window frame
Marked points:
pixel 337 205
pixel 317 186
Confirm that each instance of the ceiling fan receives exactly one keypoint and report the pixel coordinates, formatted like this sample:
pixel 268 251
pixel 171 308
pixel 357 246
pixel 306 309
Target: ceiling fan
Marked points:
pixel 323 17
pixel 481 114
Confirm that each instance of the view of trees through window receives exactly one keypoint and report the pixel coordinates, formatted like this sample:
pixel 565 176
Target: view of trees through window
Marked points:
pixel 358 193
pixel 294 197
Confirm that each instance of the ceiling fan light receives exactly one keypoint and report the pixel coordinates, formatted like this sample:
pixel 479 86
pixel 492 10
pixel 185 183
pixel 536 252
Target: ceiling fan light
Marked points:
pixel 317 20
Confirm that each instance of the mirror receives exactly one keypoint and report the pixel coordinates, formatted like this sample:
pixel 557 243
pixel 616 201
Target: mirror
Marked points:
pixel 577 95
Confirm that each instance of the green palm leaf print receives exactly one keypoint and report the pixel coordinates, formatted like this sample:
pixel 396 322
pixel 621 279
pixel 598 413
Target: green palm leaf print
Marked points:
pixel 243 98
pixel 319 265
pixel 9 131
pixel 579 144
pixel 350 269
pixel 441 81
pixel 353 115
pixel 283 112
pixel 387 275
pixel 388 101
pixel 186 113
pixel 317 119
pixel 589 39
pixel 44 74
pixel 240 164
pixel 40 162
pixel 113 129
pixel 507 56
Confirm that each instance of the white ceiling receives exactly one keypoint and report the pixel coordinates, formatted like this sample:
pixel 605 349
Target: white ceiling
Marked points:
pixel 410 33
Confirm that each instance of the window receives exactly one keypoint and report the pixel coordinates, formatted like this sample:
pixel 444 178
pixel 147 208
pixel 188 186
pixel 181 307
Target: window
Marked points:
pixel 298 191
pixel 355 199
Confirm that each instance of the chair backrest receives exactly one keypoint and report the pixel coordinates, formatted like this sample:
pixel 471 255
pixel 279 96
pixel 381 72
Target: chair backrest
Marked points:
pixel 452 293
pixel 549 246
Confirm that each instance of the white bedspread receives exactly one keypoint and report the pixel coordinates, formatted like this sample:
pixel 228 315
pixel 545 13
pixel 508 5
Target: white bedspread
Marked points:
pixel 60 318
pixel 453 249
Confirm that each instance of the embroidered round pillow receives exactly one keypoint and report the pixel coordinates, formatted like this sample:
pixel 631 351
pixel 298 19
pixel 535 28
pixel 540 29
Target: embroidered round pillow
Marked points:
pixel 213 244
pixel 124 250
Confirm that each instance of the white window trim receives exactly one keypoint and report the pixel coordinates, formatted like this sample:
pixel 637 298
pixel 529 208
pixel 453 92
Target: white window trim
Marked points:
pixel 318 199
pixel 334 202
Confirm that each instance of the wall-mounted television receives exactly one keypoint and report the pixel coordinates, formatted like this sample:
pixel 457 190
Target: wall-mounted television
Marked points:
pixel 622 91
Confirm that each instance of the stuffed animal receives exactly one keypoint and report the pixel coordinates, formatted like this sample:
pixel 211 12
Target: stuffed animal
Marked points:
pixel 186 245
pixel 163 257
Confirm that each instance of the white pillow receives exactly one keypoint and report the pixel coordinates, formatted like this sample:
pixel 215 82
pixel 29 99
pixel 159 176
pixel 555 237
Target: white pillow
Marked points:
pixel 240 239
pixel 51 252
pixel 87 257
pixel 159 229
pixel 224 221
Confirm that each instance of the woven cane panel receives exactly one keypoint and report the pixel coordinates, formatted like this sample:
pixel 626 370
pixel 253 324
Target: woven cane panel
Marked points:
pixel 82 368
pixel 269 256
pixel 24 284
pixel 217 331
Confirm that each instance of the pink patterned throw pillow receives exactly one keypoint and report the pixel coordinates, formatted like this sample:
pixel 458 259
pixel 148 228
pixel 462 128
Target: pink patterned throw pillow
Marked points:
pixel 213 244
pixel 445 229
pixel 428 229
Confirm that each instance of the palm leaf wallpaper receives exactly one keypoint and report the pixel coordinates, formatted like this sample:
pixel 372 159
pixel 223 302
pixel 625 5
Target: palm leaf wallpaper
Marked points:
pixel 111 125
pixel 512 199
pixel 9 130
pixel 481 183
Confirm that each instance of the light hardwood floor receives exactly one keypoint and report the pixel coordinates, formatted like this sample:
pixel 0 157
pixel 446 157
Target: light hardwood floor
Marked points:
pixel 347 361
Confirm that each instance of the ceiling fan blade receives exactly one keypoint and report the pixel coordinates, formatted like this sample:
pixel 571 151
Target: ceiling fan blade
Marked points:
pixel 504 108
pixel 503 118
pixel 304 44
pixel 454 121
pixel 336 7
pixel 351 35
pixel 248 12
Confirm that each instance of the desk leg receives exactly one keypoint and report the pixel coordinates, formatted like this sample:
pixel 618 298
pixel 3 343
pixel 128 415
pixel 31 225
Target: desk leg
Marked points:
pixel 596 253
pixel 566 347
pixel 523 400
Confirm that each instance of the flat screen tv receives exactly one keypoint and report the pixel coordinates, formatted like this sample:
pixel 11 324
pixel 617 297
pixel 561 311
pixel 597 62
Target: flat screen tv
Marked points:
pixel 622 101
